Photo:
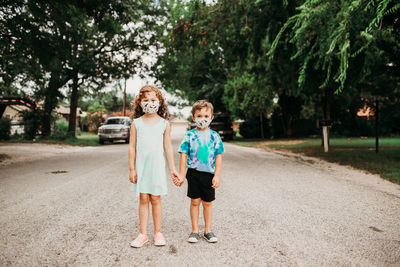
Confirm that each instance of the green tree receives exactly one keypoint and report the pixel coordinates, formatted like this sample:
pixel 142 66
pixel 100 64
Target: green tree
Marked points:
pixel 58 43
pixel 356 38
pixel 190 66
pixel 218 52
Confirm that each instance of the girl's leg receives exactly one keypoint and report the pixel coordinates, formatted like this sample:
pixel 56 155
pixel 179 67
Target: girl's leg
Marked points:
pixel 207 213
pixel 157 212
pixel 194 214
pixel 144 213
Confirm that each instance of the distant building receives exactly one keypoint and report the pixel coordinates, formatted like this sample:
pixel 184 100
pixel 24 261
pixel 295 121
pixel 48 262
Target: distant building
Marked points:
pixel 366 111
pixel 64 112
pixel 12 112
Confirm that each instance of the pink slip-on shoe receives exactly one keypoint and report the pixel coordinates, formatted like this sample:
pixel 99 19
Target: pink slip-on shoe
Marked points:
pixel 159 239
pixel 139 241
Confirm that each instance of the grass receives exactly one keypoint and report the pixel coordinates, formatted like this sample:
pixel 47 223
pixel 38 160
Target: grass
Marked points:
pixel 83 139
pixel 356 152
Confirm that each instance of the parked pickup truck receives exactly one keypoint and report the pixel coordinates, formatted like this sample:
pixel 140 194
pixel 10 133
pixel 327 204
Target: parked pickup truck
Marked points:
pixel 115 128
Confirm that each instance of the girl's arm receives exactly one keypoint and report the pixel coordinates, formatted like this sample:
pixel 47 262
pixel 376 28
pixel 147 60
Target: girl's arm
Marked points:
pixel 168 150
pixel 132 154
pixel 182 166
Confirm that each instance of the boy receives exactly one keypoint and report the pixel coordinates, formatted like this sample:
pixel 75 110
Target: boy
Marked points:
pixel 201 152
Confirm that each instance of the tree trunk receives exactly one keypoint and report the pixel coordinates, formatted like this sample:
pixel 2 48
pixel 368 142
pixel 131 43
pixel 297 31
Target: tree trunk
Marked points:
pixel 261 125
pixel 290 110
pixel 73 106
pixel 51 94
pixel 50 103
pixel 124 104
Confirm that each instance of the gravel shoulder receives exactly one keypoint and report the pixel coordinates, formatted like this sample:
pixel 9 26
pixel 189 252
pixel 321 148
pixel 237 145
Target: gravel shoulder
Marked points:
pixel 26 152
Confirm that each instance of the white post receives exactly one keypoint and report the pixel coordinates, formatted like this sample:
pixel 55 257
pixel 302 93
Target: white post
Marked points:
pixel 325 136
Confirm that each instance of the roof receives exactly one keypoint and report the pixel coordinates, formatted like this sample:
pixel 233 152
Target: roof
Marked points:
pixel 18 107
pixel 65 110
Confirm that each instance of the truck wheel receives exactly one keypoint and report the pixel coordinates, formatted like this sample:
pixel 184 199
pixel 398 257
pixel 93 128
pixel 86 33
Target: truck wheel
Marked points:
pixel 101 141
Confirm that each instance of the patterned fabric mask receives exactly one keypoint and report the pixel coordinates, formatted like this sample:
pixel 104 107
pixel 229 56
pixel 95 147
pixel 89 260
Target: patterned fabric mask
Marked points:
pixel 150 106
pixel 202 122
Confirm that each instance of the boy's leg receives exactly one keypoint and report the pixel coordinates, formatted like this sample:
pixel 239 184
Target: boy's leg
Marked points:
pixel 207 213
pixel 144 213
pixel 194 214
pixel 157 212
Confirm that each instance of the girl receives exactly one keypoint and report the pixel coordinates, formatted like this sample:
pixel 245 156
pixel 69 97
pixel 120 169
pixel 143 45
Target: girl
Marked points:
pixel 149 138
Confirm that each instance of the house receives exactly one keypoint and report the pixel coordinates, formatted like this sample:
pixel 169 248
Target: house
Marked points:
pixel 366 111
pixel 12 112
pixel 64 112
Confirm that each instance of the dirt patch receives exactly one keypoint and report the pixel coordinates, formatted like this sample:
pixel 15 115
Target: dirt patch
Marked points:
pixel 375 229
pixel 57 172
pixel 282 142
pixel 4 157
pixel 25 152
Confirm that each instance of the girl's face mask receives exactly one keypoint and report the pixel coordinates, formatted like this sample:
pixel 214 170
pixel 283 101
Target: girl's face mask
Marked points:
pixel 150 106
pixel 202 122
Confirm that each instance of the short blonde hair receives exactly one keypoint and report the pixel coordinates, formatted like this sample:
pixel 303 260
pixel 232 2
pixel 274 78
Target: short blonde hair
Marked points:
pixel 200 104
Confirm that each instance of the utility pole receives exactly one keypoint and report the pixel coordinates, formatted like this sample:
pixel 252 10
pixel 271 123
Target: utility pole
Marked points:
pixel 376 125
pixel 124 105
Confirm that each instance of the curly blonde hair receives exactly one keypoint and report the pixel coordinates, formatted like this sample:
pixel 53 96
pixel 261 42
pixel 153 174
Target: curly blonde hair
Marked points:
pixel 137 110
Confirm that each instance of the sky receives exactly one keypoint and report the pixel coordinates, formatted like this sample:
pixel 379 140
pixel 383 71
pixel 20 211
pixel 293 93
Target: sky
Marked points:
pixel 134 84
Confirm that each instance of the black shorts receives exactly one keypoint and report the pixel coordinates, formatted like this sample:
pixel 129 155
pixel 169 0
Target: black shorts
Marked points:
pixel 199 185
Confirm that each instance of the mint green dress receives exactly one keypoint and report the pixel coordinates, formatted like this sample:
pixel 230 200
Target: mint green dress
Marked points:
pixel 150 160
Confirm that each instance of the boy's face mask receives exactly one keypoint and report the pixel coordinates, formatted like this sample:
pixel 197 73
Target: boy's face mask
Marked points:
pixel 150 106
pixel 202 122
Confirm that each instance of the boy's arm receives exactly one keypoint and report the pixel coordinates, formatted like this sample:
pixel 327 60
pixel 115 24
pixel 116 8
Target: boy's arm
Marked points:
pixel 217 173
pixel 168 150
pixel 132 154
pixel 182 166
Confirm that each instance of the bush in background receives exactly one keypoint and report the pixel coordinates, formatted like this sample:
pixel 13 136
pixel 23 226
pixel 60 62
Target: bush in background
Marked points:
pixel 32 123
pixel 60 131
pixel 5 128
pixel 93 120
pixel 251 128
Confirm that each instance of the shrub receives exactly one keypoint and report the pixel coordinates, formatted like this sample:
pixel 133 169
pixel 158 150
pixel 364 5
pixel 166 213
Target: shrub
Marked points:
pixel 60 130
pixel 250 128
pixel 94 120
pixel 5 128
pixel 32 123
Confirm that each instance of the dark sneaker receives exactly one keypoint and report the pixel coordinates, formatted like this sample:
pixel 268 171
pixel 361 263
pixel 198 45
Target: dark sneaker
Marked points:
pixel 210 237
pixel 194 238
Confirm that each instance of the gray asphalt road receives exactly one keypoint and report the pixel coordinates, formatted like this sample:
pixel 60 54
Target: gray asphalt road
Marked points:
pixel 271 209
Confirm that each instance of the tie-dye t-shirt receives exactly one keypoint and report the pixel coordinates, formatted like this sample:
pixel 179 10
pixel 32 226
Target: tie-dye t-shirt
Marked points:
pixel 201 148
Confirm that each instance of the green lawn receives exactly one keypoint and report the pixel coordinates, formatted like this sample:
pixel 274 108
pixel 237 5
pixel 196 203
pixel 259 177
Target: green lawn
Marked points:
pixel 85 138
pixel 356 152
pixel 82 139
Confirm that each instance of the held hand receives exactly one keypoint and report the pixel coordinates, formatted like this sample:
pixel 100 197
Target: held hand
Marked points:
pixel 181 179
pixel 215 182
pixel 175 177
pixel 133 176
